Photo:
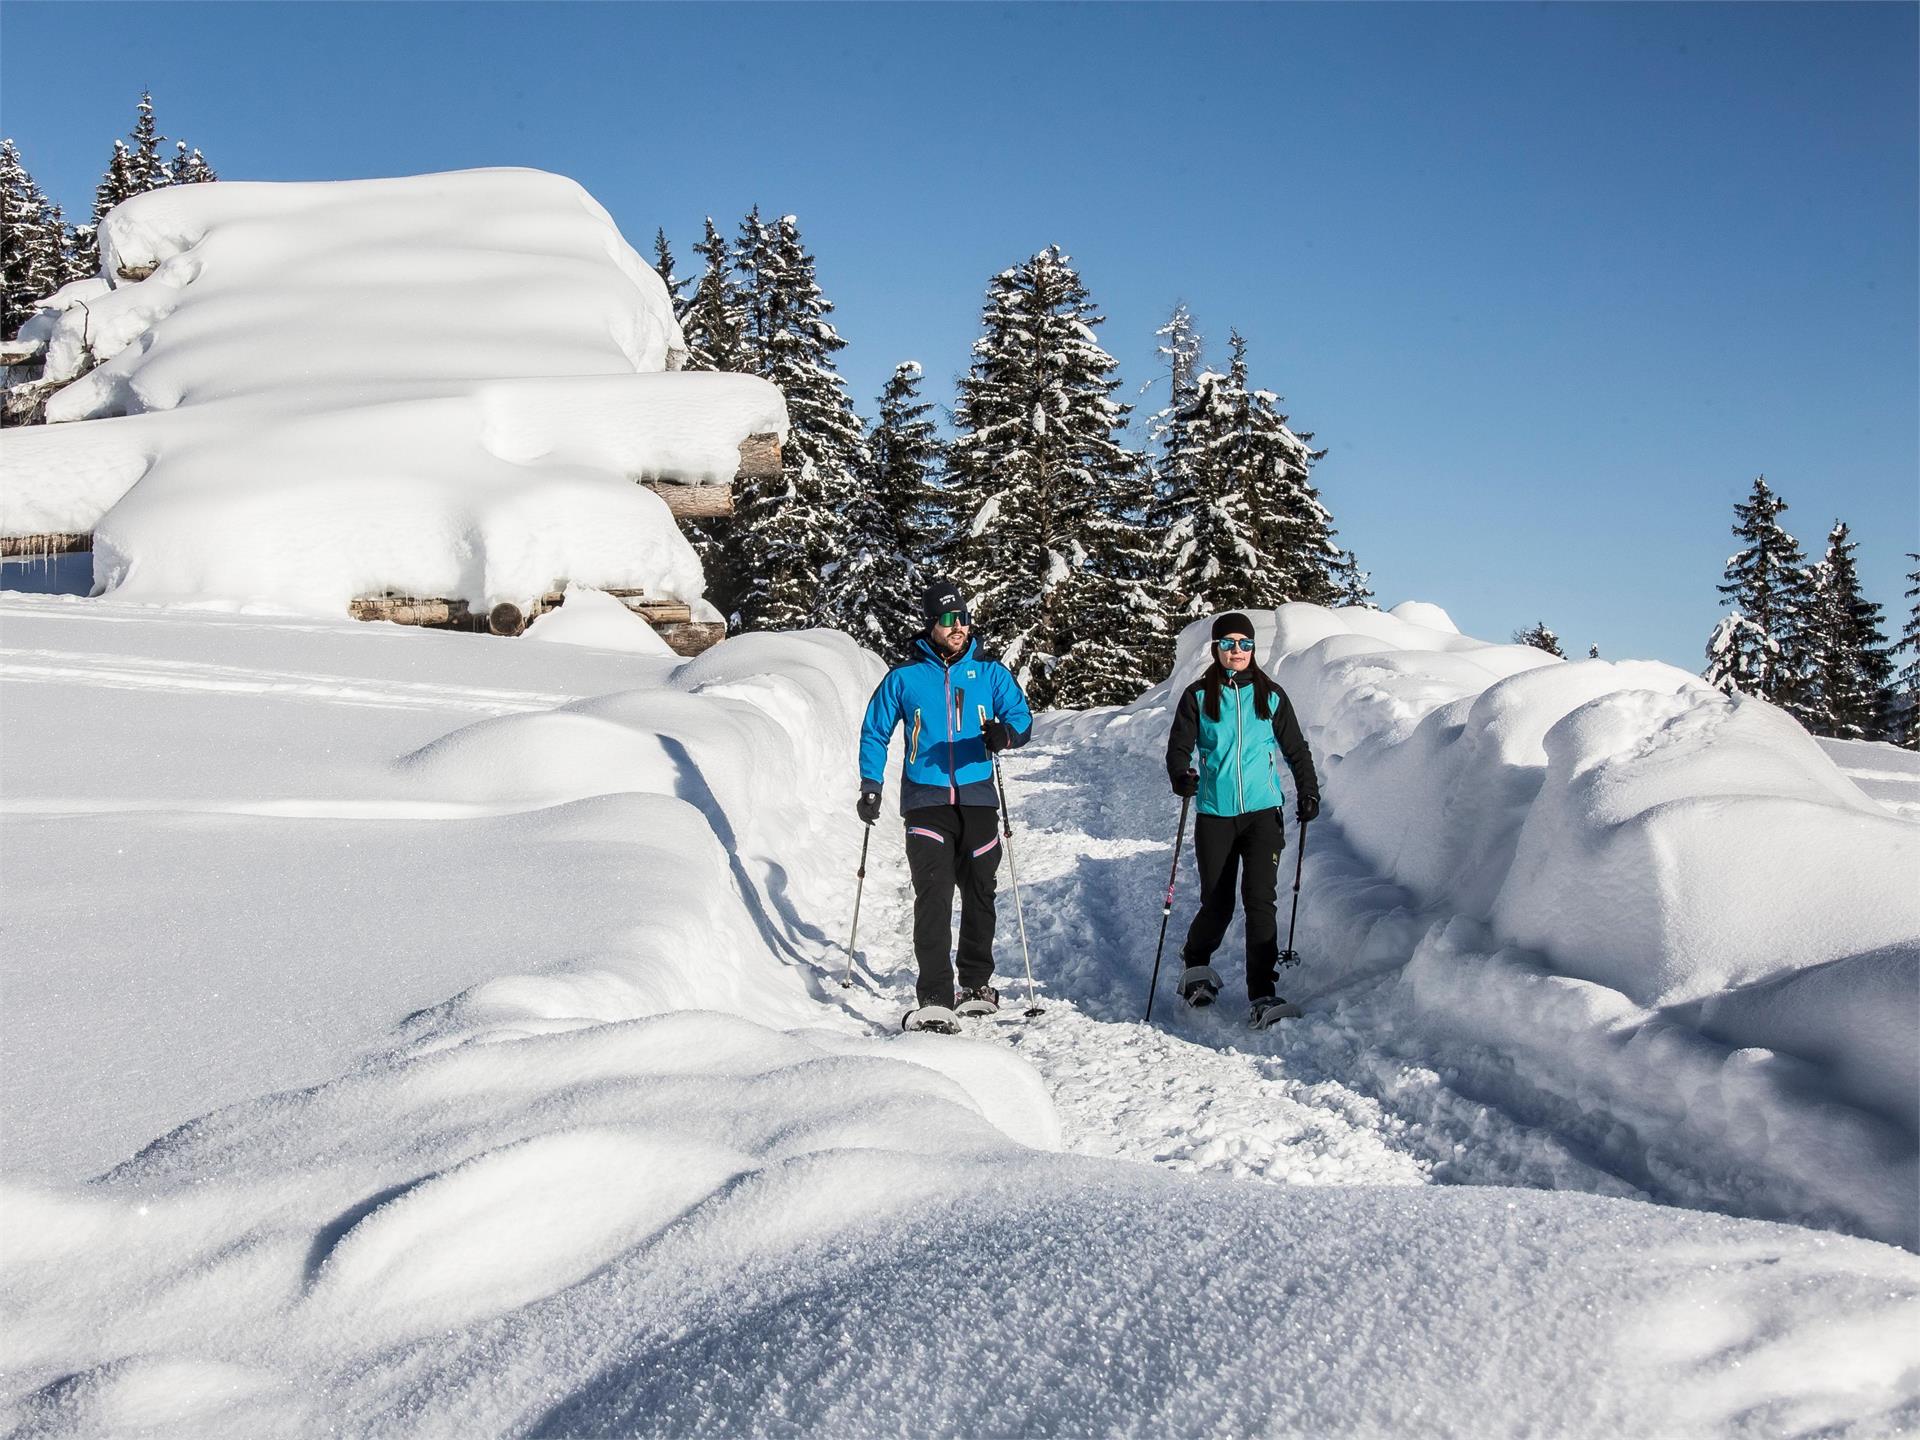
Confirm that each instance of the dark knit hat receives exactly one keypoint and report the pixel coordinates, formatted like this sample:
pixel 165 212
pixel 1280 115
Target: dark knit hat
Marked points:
pixel 1232 623
pixel 938 598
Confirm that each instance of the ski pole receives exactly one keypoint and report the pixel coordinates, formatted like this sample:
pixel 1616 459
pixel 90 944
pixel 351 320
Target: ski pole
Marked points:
pixel 1166 909
pixel 1290 956
pixel 1006 836
pixel 860 885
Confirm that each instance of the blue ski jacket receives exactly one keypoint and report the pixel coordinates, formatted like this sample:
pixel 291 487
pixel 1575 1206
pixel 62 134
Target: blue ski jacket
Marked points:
pixel 941 703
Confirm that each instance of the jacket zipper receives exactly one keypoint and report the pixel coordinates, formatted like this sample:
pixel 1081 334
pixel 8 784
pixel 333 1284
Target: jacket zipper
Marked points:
pixel 953 794
pixel 1239 755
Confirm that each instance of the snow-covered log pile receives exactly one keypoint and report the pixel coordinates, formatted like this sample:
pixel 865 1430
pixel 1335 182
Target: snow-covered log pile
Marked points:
pixel 439 386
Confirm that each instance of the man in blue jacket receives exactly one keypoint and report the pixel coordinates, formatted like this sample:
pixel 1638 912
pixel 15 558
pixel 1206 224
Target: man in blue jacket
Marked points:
pixel 959 709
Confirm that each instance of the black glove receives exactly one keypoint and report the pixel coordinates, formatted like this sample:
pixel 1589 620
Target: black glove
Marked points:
pixel 1187 784
pixel 868 806
pixel 997 736
pixel 1309 808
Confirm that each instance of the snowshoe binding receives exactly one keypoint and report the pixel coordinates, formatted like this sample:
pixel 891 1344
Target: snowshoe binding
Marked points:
pixel 980 1000
pixel 1199 984
pixel 1272 1010
pixel 937 1019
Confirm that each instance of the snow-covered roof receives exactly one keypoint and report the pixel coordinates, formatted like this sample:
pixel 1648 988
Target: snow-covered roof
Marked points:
pixel 443 385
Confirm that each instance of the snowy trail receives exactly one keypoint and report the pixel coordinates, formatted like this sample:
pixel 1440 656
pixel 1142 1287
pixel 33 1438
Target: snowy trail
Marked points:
pixel 1321 1102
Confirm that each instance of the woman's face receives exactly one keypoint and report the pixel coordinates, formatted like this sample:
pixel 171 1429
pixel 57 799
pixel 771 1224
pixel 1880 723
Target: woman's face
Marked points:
pixel 1231 654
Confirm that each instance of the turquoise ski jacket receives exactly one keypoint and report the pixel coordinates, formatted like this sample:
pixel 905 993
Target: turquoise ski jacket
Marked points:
pixel 940 704
pixel 1238 755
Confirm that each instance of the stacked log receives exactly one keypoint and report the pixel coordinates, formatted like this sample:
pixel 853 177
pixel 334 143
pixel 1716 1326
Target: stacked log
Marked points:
pixel 672 619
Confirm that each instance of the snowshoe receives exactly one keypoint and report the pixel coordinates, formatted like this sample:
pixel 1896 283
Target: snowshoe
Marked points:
pixel 981 1000
pixel 1199 984
pixel 1271 1010
pixel 935 1018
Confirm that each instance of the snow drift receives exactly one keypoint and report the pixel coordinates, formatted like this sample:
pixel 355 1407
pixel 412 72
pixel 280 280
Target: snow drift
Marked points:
pixel 1651 917
pixel 444 385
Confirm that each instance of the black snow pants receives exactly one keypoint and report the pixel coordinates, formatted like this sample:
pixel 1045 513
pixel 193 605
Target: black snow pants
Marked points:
pixel 951 846
pixel 1222 843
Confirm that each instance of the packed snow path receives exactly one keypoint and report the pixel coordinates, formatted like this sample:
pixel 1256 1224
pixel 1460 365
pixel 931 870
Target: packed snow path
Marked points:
pixel 1325 1100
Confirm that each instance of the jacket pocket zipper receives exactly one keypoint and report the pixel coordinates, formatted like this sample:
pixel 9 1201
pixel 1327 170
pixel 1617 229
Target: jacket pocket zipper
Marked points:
pixel 913 741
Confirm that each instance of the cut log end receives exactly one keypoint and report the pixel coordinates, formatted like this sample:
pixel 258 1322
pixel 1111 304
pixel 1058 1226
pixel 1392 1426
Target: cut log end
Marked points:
pixel 506 619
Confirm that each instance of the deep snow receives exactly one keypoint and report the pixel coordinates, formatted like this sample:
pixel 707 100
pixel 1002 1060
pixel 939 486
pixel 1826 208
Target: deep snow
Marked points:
pixel 592 1140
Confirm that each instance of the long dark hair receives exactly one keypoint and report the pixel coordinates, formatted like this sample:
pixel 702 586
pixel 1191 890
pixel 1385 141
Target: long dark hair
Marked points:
pixel 1265 692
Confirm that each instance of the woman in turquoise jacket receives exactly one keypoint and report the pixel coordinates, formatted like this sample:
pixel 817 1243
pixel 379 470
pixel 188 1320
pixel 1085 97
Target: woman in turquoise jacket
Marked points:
pixel 1232 727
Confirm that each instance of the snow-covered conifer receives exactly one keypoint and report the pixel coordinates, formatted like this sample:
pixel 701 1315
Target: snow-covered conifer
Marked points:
pixel 1851 677
pixel 1907 691
pixel 790 532
pixel 1351 584
pixel 894 519
pixel 1054 548
pixel 1760 648
pixel 146 168
pixel 116 184
pixel 663 265
pixel 32 243
pixel 713 320
pixel 189 167
pixel 1541 638
pixel 1244 526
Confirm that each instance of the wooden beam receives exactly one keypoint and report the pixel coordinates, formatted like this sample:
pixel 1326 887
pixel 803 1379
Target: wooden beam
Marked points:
pixel 134 274
pixel 693 502
pixel 692 636
pixel 39 545
pixel 22 352
pixel 759 457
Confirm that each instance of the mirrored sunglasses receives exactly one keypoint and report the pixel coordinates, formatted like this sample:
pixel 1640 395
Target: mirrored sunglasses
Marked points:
pixel 1232 644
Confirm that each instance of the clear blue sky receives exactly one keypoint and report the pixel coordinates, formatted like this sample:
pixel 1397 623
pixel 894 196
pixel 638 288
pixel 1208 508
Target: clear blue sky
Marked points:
pixel 1552 282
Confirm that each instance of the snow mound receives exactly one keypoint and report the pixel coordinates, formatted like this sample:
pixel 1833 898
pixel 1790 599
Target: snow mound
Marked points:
pixel 595 618
pixel 445 385
pixel 1637 827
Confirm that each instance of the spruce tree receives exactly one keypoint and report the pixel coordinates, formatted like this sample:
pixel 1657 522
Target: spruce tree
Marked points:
pixel 1541 638
pixel 896 518
pixel 1759 648
pixel 1244 527
pixel 1351 584
pixel 116 184
pixel 189 167
pixel 1054 546
pixel 1907 693
pixel 1179 348
pixel 790 532
pixel 713 319
pixel 663 266
pixel 146 170
pixel 32 243
pixel 1850 694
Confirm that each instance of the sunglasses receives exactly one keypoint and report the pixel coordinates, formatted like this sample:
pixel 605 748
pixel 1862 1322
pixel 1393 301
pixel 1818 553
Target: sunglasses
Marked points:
pixel 1230 644
pixel 951 618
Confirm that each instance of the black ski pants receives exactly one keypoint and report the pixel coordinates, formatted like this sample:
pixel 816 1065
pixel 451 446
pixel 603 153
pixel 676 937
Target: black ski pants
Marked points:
pixel 1223 844
pixel 952 847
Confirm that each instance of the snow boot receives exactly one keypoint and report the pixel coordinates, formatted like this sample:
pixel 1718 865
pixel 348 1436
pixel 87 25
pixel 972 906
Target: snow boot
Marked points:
pixel 937 1019
pixel 981 1000
pixel 1271 1010
pixel 1199 984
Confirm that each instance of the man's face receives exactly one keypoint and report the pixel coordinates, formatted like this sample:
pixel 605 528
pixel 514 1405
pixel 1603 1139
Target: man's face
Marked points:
pixel 949 639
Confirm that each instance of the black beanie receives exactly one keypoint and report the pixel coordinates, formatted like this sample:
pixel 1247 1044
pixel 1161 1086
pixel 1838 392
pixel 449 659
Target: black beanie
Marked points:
pixel 1232 623
pixel 938 598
